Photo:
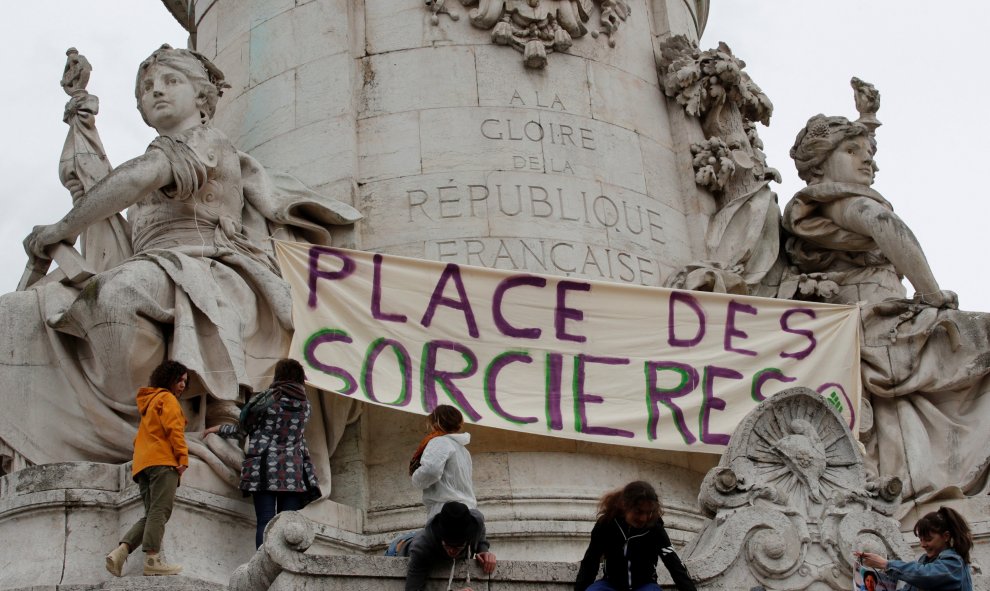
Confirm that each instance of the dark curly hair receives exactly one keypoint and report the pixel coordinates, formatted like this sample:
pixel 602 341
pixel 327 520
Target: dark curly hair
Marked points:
pixel 635 495
pixel 289 370
pixel 167 374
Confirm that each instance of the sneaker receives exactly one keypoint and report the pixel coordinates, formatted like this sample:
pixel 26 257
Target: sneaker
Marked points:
pixel 154 565
pixel 116 558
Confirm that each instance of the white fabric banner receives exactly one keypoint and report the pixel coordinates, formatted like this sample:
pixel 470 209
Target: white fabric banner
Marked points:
pixel 587 360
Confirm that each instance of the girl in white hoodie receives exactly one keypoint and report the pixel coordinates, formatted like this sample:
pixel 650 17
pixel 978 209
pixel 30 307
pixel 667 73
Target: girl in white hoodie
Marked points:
pixel 441 465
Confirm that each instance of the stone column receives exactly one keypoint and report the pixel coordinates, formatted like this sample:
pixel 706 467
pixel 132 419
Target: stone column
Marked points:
pixel 438 123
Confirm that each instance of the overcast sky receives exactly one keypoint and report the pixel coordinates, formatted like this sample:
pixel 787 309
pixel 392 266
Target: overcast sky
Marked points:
pixel 933 146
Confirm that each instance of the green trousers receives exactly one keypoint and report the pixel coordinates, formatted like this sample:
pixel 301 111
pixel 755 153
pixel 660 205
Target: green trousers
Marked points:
pixel 157 485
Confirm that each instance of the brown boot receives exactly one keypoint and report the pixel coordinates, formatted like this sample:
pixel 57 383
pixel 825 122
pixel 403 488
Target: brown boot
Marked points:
pixel 154 565
pixel 116 558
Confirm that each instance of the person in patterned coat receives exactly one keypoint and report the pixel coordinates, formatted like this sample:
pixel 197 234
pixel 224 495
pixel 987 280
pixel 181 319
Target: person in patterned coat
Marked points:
pixel 277 470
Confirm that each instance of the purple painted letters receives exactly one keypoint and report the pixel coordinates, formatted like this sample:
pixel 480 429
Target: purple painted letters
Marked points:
pixel 562 313
pixel 346 268
pixel 665 396
pixel 451 273
pixel 692 302
pixel 582 398
pixel 500 322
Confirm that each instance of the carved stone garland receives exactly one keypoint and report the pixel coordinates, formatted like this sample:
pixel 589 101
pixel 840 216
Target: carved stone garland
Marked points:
pixel 790 501
pixel 538 27
pixel 741 243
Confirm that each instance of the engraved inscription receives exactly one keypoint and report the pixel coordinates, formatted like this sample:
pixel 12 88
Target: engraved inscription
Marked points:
pixel 590 208
pixel 548 256
pixel 535 131
pixel 554 103
pixel 538 164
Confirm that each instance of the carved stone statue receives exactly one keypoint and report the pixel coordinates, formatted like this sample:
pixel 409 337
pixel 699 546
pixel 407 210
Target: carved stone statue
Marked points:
pixel 201 287
pixel 790 501
pixel 924 361
pixel 742 244
pixel 538 27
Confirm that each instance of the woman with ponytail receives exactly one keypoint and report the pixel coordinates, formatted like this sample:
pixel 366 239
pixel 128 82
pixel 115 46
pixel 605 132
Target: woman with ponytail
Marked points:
pixel 947 540
pixel 441 466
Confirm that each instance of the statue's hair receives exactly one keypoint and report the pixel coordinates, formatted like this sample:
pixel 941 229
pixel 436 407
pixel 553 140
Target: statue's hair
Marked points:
pixel 446 418
pixel 167 374
pixel 631 496
pixel 947 521
pixel 205 77
pixel 819 138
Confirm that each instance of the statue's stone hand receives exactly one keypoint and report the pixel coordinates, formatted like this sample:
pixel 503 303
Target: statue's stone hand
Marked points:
pixel 41 237
pixel 942 298
pixel 75 188
pixel 867 97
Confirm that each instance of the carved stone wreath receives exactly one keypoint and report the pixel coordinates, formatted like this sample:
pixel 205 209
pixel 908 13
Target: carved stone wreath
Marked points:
pixel 538 27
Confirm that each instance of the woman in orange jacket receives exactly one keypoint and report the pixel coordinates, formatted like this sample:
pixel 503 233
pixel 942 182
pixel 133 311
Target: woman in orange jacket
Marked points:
pixel 160 458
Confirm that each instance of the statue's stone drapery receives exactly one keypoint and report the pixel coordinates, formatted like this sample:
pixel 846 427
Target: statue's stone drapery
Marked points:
pixel 924 367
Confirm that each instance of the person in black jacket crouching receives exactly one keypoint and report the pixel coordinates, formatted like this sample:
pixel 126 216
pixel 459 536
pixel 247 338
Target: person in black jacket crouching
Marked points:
pixel 456 533
pixel 629 535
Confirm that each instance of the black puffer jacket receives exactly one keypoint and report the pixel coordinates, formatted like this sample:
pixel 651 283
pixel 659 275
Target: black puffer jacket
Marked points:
pixel 630 556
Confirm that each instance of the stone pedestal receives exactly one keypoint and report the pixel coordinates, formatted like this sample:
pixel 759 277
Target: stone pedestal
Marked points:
pixel 58 521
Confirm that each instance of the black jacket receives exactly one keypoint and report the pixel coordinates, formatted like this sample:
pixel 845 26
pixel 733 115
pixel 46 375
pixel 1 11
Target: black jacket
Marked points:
pixel 426 552
pixel 630 554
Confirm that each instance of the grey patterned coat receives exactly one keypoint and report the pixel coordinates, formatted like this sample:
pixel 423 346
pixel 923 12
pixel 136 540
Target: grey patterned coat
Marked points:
pixel 277 458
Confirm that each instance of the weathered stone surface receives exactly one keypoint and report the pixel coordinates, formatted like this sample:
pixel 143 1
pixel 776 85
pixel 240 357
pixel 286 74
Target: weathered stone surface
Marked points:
pixel 281 563
pixel 790 501
pixel 533 89
pixel 394 82
pixel 742 237
pixel 390 147
pixel 77 511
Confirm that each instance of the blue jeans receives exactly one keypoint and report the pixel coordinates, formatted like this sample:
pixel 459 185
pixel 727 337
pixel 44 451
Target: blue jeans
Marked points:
pixel 268 503
pixel 602 585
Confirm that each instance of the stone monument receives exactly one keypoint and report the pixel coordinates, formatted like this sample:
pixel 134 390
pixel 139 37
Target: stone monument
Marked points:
pixel 516 135
pixel 584 138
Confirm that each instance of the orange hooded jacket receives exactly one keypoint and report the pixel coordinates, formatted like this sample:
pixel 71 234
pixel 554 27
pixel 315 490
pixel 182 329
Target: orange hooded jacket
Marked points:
pixel 160 439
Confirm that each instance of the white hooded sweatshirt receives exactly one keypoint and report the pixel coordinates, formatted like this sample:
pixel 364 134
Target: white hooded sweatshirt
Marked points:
pixel 444 473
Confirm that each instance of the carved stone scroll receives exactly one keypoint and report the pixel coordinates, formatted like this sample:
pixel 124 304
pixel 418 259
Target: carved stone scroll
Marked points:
pixel 789 502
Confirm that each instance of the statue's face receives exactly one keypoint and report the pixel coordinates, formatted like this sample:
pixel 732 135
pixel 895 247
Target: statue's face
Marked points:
pixel 850 162
pixel 168 99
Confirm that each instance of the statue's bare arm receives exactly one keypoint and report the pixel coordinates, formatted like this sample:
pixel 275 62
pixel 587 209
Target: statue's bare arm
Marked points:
pixel 124 186
pixel 897 241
